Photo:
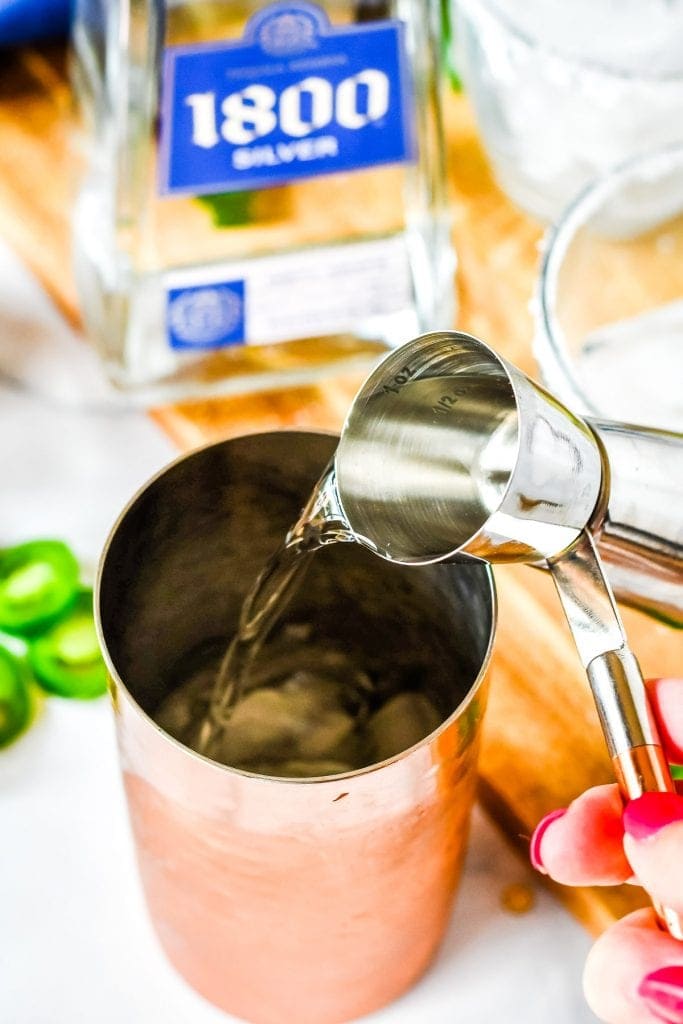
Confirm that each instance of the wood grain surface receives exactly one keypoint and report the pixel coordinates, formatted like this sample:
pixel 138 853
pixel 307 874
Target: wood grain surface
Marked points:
pixel 542 744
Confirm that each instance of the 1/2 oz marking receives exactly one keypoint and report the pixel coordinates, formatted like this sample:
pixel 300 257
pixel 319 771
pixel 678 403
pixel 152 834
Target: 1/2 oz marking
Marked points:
pixel 445 404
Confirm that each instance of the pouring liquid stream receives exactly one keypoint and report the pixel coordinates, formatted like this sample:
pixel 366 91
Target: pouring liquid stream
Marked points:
pixel 319 524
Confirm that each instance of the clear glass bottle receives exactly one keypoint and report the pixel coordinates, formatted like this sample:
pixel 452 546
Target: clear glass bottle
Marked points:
pixel 264 197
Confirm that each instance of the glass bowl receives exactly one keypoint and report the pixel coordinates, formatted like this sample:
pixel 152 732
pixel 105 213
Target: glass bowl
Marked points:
pixel 609 303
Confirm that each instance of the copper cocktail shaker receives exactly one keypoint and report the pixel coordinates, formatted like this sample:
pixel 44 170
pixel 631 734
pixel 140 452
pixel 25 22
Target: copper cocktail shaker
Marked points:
pixel 314 900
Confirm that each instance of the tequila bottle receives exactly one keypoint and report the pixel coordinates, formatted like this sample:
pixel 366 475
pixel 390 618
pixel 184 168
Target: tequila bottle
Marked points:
pixel 264 196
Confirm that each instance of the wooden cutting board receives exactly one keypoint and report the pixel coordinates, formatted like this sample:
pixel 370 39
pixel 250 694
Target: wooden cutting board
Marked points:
pixel 542 744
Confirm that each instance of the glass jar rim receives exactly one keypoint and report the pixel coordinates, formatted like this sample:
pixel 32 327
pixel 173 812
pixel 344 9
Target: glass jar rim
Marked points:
pixel 550 348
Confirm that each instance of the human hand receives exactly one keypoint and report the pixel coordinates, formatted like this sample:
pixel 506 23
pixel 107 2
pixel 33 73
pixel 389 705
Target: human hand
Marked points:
pixel 634 973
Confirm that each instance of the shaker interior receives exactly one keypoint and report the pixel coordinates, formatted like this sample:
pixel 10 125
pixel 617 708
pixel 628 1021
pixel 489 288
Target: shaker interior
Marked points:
pixel 188 548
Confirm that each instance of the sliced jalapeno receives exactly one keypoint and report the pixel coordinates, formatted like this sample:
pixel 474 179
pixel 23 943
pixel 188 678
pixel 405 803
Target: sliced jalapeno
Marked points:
pixel 15 701
pixel 66 660
pixel 38 581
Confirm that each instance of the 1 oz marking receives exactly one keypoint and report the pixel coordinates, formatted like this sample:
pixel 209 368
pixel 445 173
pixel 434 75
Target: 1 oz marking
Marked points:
pixel 400 380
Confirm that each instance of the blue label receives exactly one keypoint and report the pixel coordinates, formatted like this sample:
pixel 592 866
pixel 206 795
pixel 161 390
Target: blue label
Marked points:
pixel 206 316
pixel 294 99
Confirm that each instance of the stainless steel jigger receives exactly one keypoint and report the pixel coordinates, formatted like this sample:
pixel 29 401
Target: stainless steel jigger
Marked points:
pixel 450 452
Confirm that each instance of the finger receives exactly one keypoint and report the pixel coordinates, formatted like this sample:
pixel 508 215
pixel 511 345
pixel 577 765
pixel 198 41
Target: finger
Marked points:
pixel 623 971
pixel 576 851
pixel 653 843
pixel 584 844
pixel 666 699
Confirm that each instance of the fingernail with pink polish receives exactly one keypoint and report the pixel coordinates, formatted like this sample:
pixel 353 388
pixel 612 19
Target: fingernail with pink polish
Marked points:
pixel 645 816
pixel 662 993
pixel 537 837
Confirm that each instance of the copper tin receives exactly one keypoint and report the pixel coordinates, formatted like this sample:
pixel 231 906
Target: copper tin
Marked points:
pixel 307 901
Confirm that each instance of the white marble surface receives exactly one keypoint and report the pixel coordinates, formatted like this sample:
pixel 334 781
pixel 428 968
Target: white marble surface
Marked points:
pixel 75 942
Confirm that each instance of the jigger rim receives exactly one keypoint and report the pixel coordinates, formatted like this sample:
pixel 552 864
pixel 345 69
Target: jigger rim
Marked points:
pixel 115 682
pixel 457 553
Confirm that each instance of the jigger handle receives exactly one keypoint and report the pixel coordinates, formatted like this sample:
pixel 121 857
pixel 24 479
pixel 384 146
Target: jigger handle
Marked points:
pixel 617 683
pixel 640 767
